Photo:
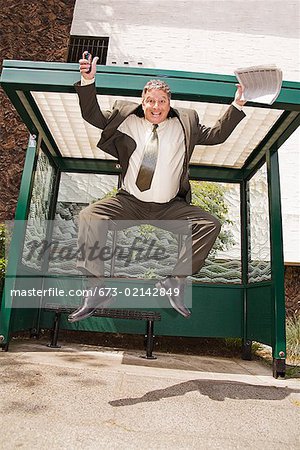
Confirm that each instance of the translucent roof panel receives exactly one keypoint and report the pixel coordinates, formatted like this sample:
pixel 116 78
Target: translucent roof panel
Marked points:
pixel 76 138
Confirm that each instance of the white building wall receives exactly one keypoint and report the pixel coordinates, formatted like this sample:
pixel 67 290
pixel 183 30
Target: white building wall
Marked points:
pixel 208 36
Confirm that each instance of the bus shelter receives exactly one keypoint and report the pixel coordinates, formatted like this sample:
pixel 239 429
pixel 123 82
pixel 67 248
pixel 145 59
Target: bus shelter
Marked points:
pixel 239 292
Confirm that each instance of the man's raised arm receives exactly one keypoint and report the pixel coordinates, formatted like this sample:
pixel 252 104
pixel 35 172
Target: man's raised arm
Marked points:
pixel 86 90
pixel 225 125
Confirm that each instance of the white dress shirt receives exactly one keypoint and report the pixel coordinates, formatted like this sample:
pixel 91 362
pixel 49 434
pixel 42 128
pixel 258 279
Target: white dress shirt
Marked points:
pixel 169 166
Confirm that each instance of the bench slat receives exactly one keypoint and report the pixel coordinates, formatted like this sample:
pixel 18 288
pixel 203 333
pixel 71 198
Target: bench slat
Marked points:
pixel 113 313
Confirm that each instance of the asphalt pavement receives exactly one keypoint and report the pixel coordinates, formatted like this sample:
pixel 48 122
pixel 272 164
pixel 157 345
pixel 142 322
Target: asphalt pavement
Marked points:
pixel 89 397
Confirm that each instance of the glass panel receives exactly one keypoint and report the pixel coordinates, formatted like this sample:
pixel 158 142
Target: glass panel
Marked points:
pixel 147 250
pixel 79 190
pixel 39 210
pixel 259 228
pixel 223 200
pixel 223 264
pixel 76 191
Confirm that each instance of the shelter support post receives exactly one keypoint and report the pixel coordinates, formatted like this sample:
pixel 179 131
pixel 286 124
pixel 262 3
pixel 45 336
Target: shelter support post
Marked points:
pixel 19 228
pixel 244 202
pixel 277 264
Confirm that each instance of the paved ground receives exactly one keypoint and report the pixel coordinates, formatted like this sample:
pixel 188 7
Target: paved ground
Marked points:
pixel 85 397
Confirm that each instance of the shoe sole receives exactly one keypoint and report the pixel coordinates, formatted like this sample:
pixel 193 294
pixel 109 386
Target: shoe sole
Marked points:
pixel 158 285
pixel 73 320
pixel 102 306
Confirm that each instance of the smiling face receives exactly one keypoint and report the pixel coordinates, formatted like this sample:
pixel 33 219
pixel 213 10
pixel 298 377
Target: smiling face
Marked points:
pixel 156 105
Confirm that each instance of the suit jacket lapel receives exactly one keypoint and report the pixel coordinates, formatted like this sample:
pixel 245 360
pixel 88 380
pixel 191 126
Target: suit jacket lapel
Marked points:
pixel 107 141
pixel 185 120
pixel 120 112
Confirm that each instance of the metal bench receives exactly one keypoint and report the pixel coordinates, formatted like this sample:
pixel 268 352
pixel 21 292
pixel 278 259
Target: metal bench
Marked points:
pixel 149 316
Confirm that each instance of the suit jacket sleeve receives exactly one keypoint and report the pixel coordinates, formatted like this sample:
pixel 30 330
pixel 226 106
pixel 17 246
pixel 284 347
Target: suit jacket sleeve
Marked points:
pixel 221 130
pixel 90 109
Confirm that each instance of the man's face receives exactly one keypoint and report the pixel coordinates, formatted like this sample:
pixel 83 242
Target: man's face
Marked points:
pixel 156 106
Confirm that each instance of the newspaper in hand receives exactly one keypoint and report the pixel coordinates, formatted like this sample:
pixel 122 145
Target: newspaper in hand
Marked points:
pixel 261 84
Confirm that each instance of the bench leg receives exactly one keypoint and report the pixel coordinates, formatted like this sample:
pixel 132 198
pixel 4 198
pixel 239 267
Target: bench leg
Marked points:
pixel 149 340
pixel 278 368
pixel 246 349
pixel 55 331
pixel 4 347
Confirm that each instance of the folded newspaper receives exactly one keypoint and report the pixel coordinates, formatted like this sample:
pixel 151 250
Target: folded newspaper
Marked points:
pixel 261 84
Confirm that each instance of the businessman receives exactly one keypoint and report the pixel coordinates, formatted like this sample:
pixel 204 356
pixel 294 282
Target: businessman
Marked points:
pixel 153 143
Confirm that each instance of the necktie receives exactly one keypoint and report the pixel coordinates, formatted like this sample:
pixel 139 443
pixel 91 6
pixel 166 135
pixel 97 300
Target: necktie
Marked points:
pixel 148 164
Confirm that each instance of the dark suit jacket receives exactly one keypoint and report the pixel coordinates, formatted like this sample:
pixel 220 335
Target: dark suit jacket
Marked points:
pixel 122 146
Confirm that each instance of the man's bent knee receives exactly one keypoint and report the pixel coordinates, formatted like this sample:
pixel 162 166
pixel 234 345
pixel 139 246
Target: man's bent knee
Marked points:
pixel 211 223
pixel 91 212
pixel 87 211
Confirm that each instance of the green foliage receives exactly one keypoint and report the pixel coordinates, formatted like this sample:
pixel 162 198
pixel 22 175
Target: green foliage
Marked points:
pixel 3 263
pixel 209 196
pixel 3 260
pixel 146 231
pixel 293 338
pixel 149 274
pixel 109 194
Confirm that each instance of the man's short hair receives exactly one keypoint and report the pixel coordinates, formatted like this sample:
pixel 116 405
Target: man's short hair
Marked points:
pixel 156 84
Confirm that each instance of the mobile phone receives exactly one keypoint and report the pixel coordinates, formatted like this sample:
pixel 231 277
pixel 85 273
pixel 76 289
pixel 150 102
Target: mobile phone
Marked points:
pixel 86 56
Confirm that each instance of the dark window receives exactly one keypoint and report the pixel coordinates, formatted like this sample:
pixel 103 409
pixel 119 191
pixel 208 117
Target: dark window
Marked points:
pixel 97 46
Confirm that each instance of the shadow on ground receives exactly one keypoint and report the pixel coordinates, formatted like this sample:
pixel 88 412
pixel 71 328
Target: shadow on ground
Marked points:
pixel 215 390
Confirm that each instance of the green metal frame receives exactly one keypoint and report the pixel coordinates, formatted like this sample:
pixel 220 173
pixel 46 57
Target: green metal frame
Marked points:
pixel 7 312
pixel 20 77
pixel 277 262
pixel 231 308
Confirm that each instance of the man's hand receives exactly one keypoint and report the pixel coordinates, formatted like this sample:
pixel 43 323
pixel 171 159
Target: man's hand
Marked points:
pixel 86 64
pixel 238 95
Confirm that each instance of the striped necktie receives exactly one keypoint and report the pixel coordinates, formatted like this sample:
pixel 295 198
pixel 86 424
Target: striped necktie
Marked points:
pixel 146 172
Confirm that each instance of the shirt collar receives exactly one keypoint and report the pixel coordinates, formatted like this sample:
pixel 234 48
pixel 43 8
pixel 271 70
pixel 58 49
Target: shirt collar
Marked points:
pixel 160 125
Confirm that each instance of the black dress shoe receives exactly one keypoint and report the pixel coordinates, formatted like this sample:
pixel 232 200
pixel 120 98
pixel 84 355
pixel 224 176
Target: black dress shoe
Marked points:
pixel 90 304
pixel 177 301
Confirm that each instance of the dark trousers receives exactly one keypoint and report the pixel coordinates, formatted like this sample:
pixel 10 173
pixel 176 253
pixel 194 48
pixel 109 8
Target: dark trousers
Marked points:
pixel 96 219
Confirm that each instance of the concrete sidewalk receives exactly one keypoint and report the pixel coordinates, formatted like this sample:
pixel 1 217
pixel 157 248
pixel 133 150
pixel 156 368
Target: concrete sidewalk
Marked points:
pixel 86 397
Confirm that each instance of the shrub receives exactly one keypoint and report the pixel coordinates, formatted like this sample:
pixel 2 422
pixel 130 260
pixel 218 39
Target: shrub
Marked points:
pixel 3 260
pixel 211 198
pixel 293 337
